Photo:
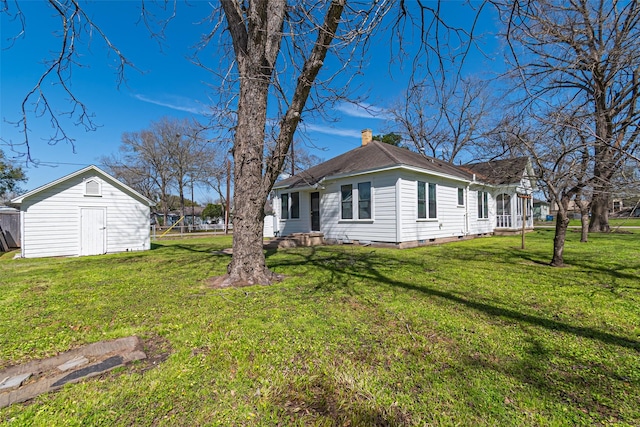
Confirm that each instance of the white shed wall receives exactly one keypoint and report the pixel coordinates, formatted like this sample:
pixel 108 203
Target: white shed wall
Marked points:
pixel 51 219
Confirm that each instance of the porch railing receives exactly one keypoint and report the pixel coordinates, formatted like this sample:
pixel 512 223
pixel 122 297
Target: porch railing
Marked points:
pixel 503 221
pixel 507 221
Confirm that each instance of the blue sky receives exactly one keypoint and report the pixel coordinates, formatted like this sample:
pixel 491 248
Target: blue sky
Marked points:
pixel 164 84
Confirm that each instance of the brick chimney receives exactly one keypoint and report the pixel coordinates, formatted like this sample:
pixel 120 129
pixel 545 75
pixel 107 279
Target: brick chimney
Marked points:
pixel 367 136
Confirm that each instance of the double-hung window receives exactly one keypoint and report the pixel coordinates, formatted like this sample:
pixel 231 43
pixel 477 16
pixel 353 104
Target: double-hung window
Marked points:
pixel 460 196
pixel 290 206
pixel 483 205
pixel 284 206
pixel 364 200
pixel 295 206
pixel 355 201
pixel 346 195
pixel 427 200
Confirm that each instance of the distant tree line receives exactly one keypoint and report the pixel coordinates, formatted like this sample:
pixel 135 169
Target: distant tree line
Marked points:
pixel 11 176
pixel 169 156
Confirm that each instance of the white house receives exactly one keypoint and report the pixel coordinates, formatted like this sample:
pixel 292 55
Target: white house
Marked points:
pixel 88 212
pixel 384 194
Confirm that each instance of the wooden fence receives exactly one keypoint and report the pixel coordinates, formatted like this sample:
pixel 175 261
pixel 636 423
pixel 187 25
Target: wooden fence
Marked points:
pixel 10 228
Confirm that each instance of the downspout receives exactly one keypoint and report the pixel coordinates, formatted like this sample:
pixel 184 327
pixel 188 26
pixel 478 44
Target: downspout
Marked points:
pixel 21 232
pixel 275 204
pixel 466 210
pixel 398 212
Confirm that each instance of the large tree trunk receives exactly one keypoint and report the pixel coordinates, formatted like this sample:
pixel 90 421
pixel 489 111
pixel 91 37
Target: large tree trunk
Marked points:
pixel 584 222
pixel 584 219
pixel 562 223
pixel 257 34
pixel 600 213
pixel 603 160
pixel 256 43
pixel 248 263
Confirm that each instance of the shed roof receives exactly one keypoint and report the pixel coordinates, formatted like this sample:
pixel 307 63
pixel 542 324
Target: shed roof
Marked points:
pixel 18 200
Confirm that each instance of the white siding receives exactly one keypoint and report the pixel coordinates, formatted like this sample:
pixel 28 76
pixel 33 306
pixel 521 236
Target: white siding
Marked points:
pixel 293 225
pixel 380 228
pixel 450 220
pixel 395 210
pixel 52 219
pixel 267 229
pixel 480 225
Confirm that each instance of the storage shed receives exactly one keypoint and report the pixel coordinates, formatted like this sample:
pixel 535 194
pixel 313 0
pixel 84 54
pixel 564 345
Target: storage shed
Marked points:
pixel 88 212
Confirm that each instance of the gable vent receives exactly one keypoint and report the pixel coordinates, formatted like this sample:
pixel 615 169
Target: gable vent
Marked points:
pixel 92 188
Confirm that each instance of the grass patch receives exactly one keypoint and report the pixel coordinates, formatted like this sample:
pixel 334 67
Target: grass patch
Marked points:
pixel 613 222
pixel 469 333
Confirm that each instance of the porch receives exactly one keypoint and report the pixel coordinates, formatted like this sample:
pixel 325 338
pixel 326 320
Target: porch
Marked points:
pixel 512 222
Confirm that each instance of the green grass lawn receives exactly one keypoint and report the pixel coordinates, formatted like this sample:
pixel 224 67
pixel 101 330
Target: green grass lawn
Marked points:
pixel 614 223
pixel 469 333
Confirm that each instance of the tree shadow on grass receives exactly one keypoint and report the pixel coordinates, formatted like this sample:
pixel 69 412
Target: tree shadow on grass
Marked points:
pixel 343 266
pixel 591 387
pixel 572 378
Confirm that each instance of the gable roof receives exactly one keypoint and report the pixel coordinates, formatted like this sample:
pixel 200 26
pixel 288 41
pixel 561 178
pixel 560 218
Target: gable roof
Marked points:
pixel 500 172
pixel 18 200
pixel 371 157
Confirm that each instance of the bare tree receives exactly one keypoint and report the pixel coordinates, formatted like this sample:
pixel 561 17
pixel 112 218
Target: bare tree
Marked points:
pixel 74 22
pixel 587 53
pixel 299 159
pixel 171 155
pixel 277 52
pixel 562 160
pixel 136 176
pixel 444 120
pixel 144 157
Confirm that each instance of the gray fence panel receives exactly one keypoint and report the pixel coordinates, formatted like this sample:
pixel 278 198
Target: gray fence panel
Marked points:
pixel 10 224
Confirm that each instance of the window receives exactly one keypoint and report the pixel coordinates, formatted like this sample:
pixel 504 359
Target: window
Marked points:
pixel 427 206
pixel 483 204
pixel 432 201
pixel 290 206
pixel 346 192
pixel 284 206
pixel 364 200
pixel 460 196
pixel 503 204
pixel 92 188
pixel 422 200
pixel 295 205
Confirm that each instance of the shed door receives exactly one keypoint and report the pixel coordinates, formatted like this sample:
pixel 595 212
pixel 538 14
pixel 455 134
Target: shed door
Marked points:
pixel 93 223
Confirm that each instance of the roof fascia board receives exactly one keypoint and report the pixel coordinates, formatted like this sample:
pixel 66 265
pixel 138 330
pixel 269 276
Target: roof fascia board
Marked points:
pixel 18 200
pixel 305 188
pixel 389 168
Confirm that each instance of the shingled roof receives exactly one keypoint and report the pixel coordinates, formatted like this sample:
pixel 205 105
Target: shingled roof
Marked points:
pixel 499 172
pixel 373 156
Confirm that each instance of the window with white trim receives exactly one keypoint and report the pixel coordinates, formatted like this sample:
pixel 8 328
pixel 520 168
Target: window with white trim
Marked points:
pixel 346 197
pixel 290 205
pixel 427 200
pixel 460 196
pixel 284 206
pixel 295 206
pixel 483 205
pixel 364 200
